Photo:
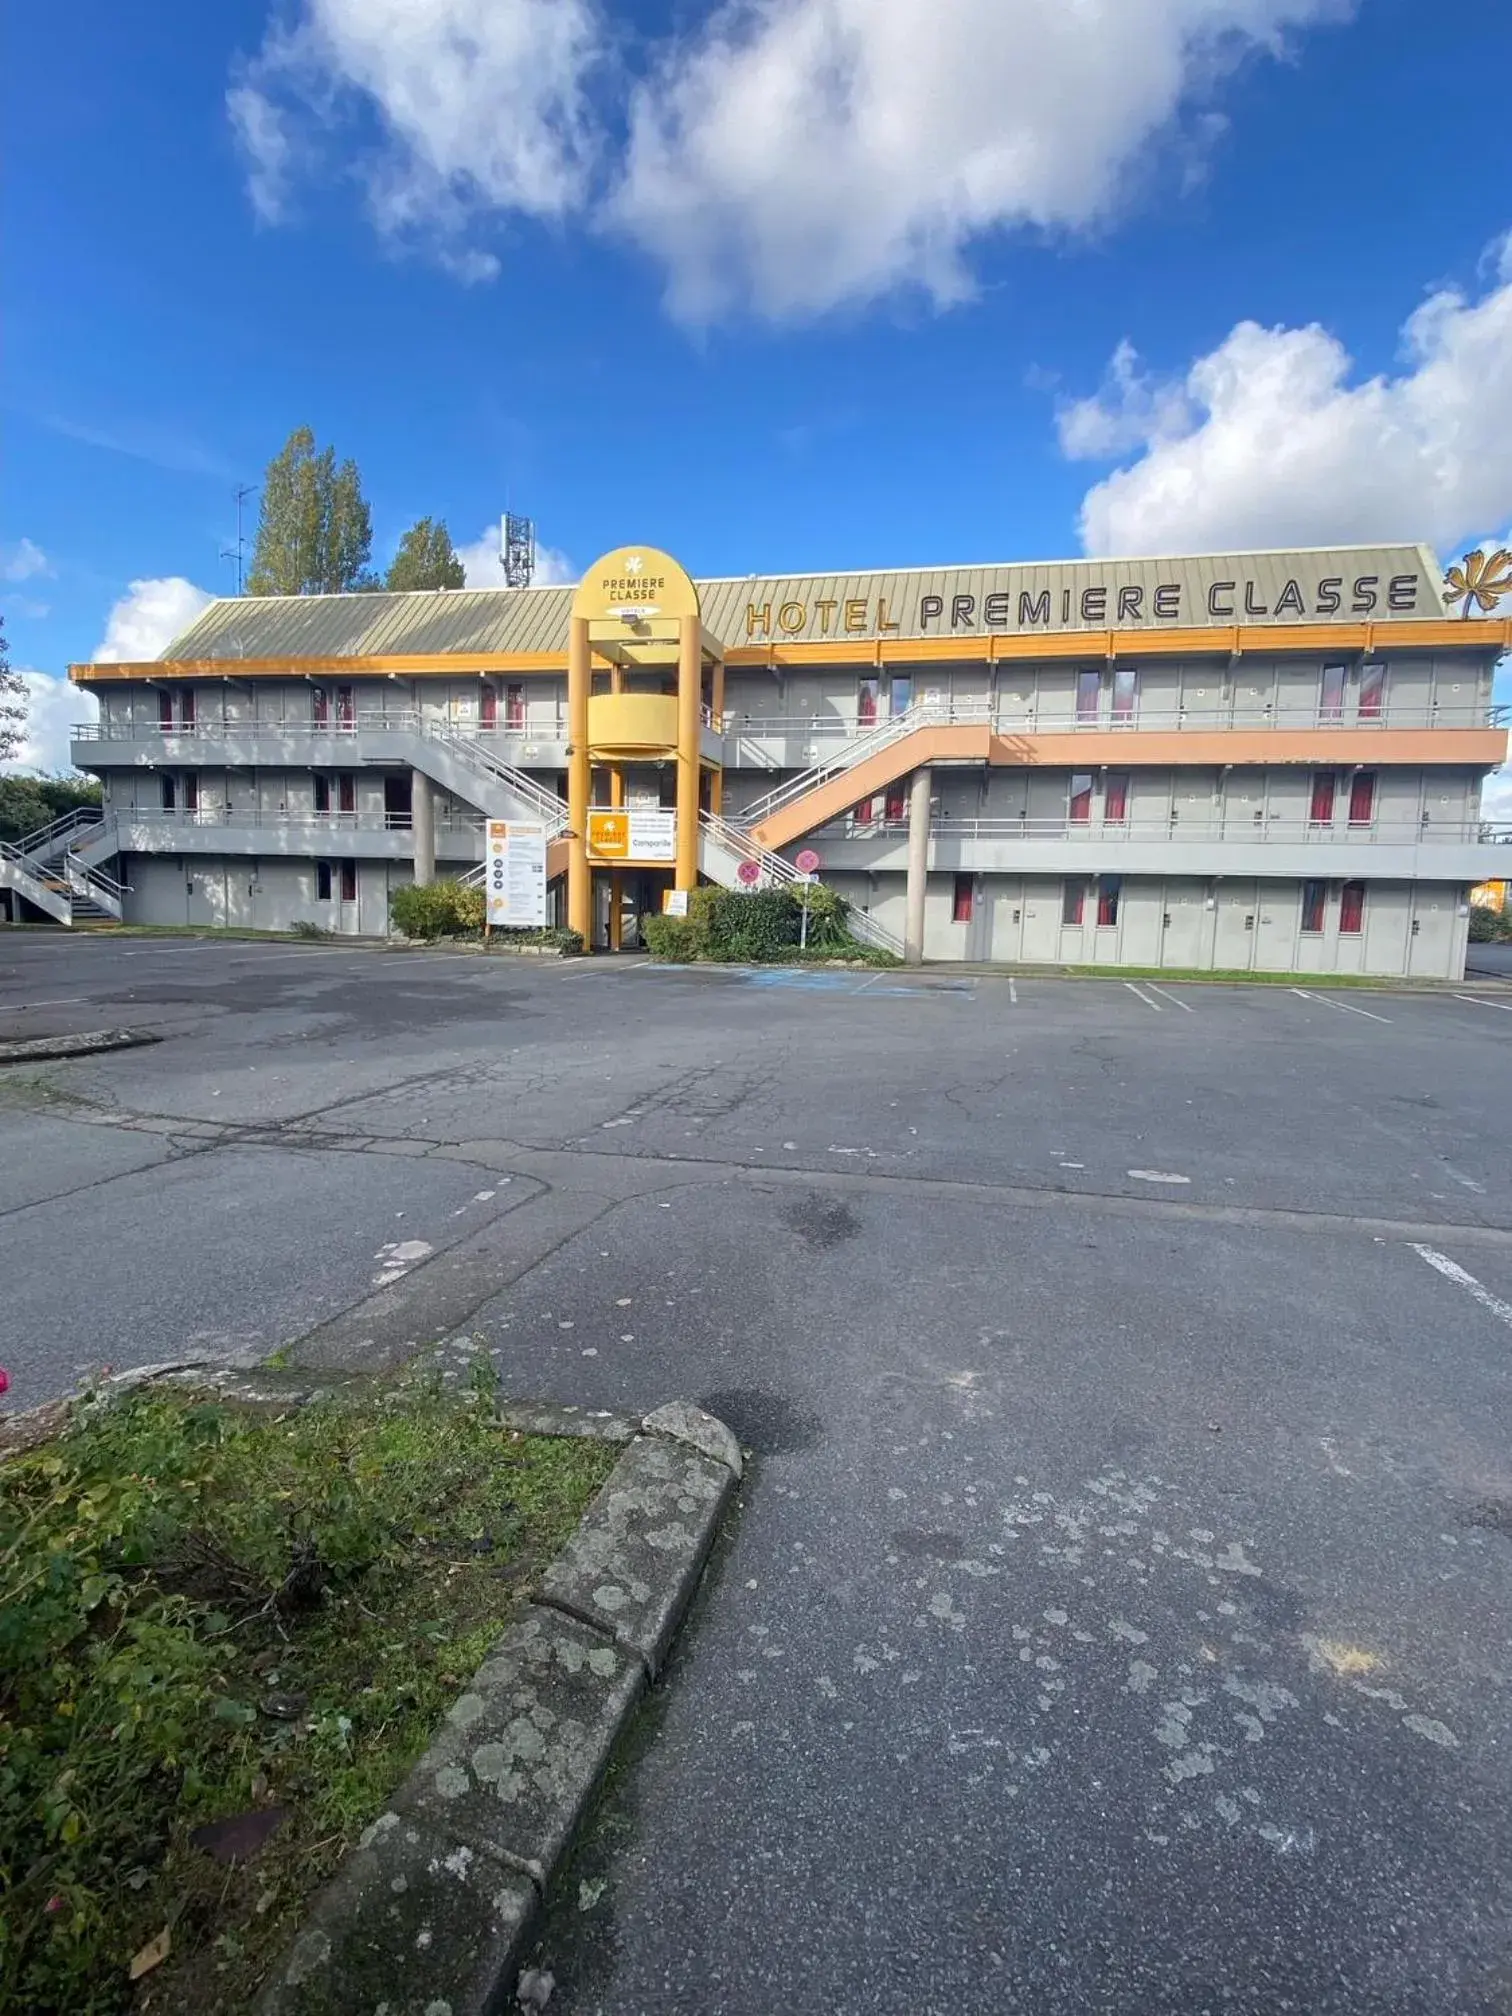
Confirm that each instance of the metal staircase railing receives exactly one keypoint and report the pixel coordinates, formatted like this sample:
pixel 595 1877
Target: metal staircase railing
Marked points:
pixel 923 714
pixel 97 891
pixel 546 805
pixel 44 843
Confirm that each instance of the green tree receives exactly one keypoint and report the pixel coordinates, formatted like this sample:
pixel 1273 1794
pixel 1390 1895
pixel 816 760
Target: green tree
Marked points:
pixel 426 558
pixel 13 701
pixel 314 529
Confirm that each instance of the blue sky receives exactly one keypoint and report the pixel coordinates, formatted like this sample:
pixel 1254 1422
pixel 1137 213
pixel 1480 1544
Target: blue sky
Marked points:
pixel 805 286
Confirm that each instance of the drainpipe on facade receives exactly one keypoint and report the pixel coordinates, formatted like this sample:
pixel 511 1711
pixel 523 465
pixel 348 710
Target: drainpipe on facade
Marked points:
pixel 918 867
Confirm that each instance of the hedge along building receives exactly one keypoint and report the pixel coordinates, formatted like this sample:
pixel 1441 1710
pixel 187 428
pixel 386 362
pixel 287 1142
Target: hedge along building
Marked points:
pixel 1267 760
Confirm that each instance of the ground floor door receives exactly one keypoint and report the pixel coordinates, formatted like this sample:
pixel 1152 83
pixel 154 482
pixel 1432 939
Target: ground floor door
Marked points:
pixel 1183 925
pixel 1005 923
pixel 205 891
pixel 1042 920
pixel 1234 928
pixel 1276 927
pixel 1431 935
pixel 372 899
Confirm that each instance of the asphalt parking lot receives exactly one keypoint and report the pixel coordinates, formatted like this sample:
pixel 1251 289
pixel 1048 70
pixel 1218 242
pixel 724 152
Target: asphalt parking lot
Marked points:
pixel 1117 1615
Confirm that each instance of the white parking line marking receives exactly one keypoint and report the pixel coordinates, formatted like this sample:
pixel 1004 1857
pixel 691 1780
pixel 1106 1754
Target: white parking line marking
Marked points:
pixel 62 1001
pixel 1012 995
pixel 1166 995
pixel 1451 1272
pixel 1344 1007
pixel 1144 997
pixel 1157 1176
pixel 1476 1002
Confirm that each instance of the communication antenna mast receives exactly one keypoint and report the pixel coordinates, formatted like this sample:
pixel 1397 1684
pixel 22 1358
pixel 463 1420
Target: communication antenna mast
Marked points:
pixel 517 550
pixel 242 492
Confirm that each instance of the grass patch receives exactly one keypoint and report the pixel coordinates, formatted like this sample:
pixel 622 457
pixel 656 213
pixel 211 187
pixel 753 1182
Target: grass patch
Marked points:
pixel 211 1613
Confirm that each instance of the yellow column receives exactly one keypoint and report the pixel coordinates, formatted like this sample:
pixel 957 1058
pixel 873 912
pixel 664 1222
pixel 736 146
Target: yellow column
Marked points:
pixel 716 785
pixel 579 874
pixel 689 700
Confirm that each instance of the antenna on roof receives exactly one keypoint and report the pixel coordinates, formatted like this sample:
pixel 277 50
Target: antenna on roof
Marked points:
pixel 241 493
pixel 517 550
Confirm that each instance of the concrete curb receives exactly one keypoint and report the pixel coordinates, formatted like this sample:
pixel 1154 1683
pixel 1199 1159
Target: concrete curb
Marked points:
pixel 39 1049
pixel 434 1910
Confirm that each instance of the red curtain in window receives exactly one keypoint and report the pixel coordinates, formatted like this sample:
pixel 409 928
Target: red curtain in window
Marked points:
pixel 320 700
pixel 349 881
pixel 346 711
pixel 1352 907
pixel 1115 798
pixel 1372 692
pixel 862 813
pixel 866 704
pixel 1362 798
pixel 963 891
pixel 1107 899
pixel 514 707
pixel 488 708
pixel 165 710
pixel 1320 812
pixel 346 794
pixel 1081 798
pixel 186 707
pixel 897 805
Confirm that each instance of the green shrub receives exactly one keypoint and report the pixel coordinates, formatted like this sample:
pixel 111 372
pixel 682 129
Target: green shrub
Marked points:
pixel 675 938
pixel 439 910
pixel 553 938
pixel 1489 926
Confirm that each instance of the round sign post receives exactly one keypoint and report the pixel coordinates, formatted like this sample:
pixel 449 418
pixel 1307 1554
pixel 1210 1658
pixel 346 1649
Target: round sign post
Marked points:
pixel 807 864
pixel 748 874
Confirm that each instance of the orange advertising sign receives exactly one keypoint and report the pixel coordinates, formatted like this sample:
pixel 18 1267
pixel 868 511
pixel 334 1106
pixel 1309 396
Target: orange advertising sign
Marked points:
pixel 609 835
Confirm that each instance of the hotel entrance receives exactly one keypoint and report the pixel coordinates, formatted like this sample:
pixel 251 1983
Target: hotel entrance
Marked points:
pixel 634 894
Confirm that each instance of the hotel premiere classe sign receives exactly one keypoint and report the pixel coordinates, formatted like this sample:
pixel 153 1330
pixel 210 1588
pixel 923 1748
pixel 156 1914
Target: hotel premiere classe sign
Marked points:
pixel 1112 595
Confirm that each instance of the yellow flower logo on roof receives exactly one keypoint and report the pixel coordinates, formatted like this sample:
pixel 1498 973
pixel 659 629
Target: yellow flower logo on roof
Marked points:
pixel 1478 582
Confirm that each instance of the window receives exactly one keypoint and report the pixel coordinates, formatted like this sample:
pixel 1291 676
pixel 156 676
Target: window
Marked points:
pixel 1320 810
pixel 1372 690
pixel 169 790
pixel 186 707
pixel 320 703
pixel 1088 694
pixel 1352 908
pixel 1125 694
pixel 1331 707
pixel 1073 902
pixel 514 706
pixel 866 703
pixel 1109 890
pixel 1115 797
pixel 901 697
pixel 862 813
pixel 1362 789
pixel 322 796
pixel 897 805
pixel 961 908
pixel 488 707
pixel 322 881
pixel 346 709
pixel 1079 799
pixel 346 794
pixel 1314 903
pixel 191 791
pixel 349 881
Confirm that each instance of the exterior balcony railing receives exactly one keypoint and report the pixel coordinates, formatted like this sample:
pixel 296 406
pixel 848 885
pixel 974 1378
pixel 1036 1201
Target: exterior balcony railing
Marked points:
pixel 341 739
pixel 1445 850
pixel 236 829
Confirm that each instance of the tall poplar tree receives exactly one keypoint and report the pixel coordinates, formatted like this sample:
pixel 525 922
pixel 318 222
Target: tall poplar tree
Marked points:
pixel 14 697
pixel 314 529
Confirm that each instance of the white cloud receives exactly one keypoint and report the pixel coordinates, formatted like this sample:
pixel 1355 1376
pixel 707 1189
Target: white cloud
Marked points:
pixel 802 154
pixel 787 155
pixel 23 561
pixel 1496 798
pixel 484 569
pixel 1271 440
pixel 479 107
pixel 53 706
pixel 147 618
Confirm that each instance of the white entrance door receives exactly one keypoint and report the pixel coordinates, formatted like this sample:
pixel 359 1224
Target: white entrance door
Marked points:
pixel 1183 922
